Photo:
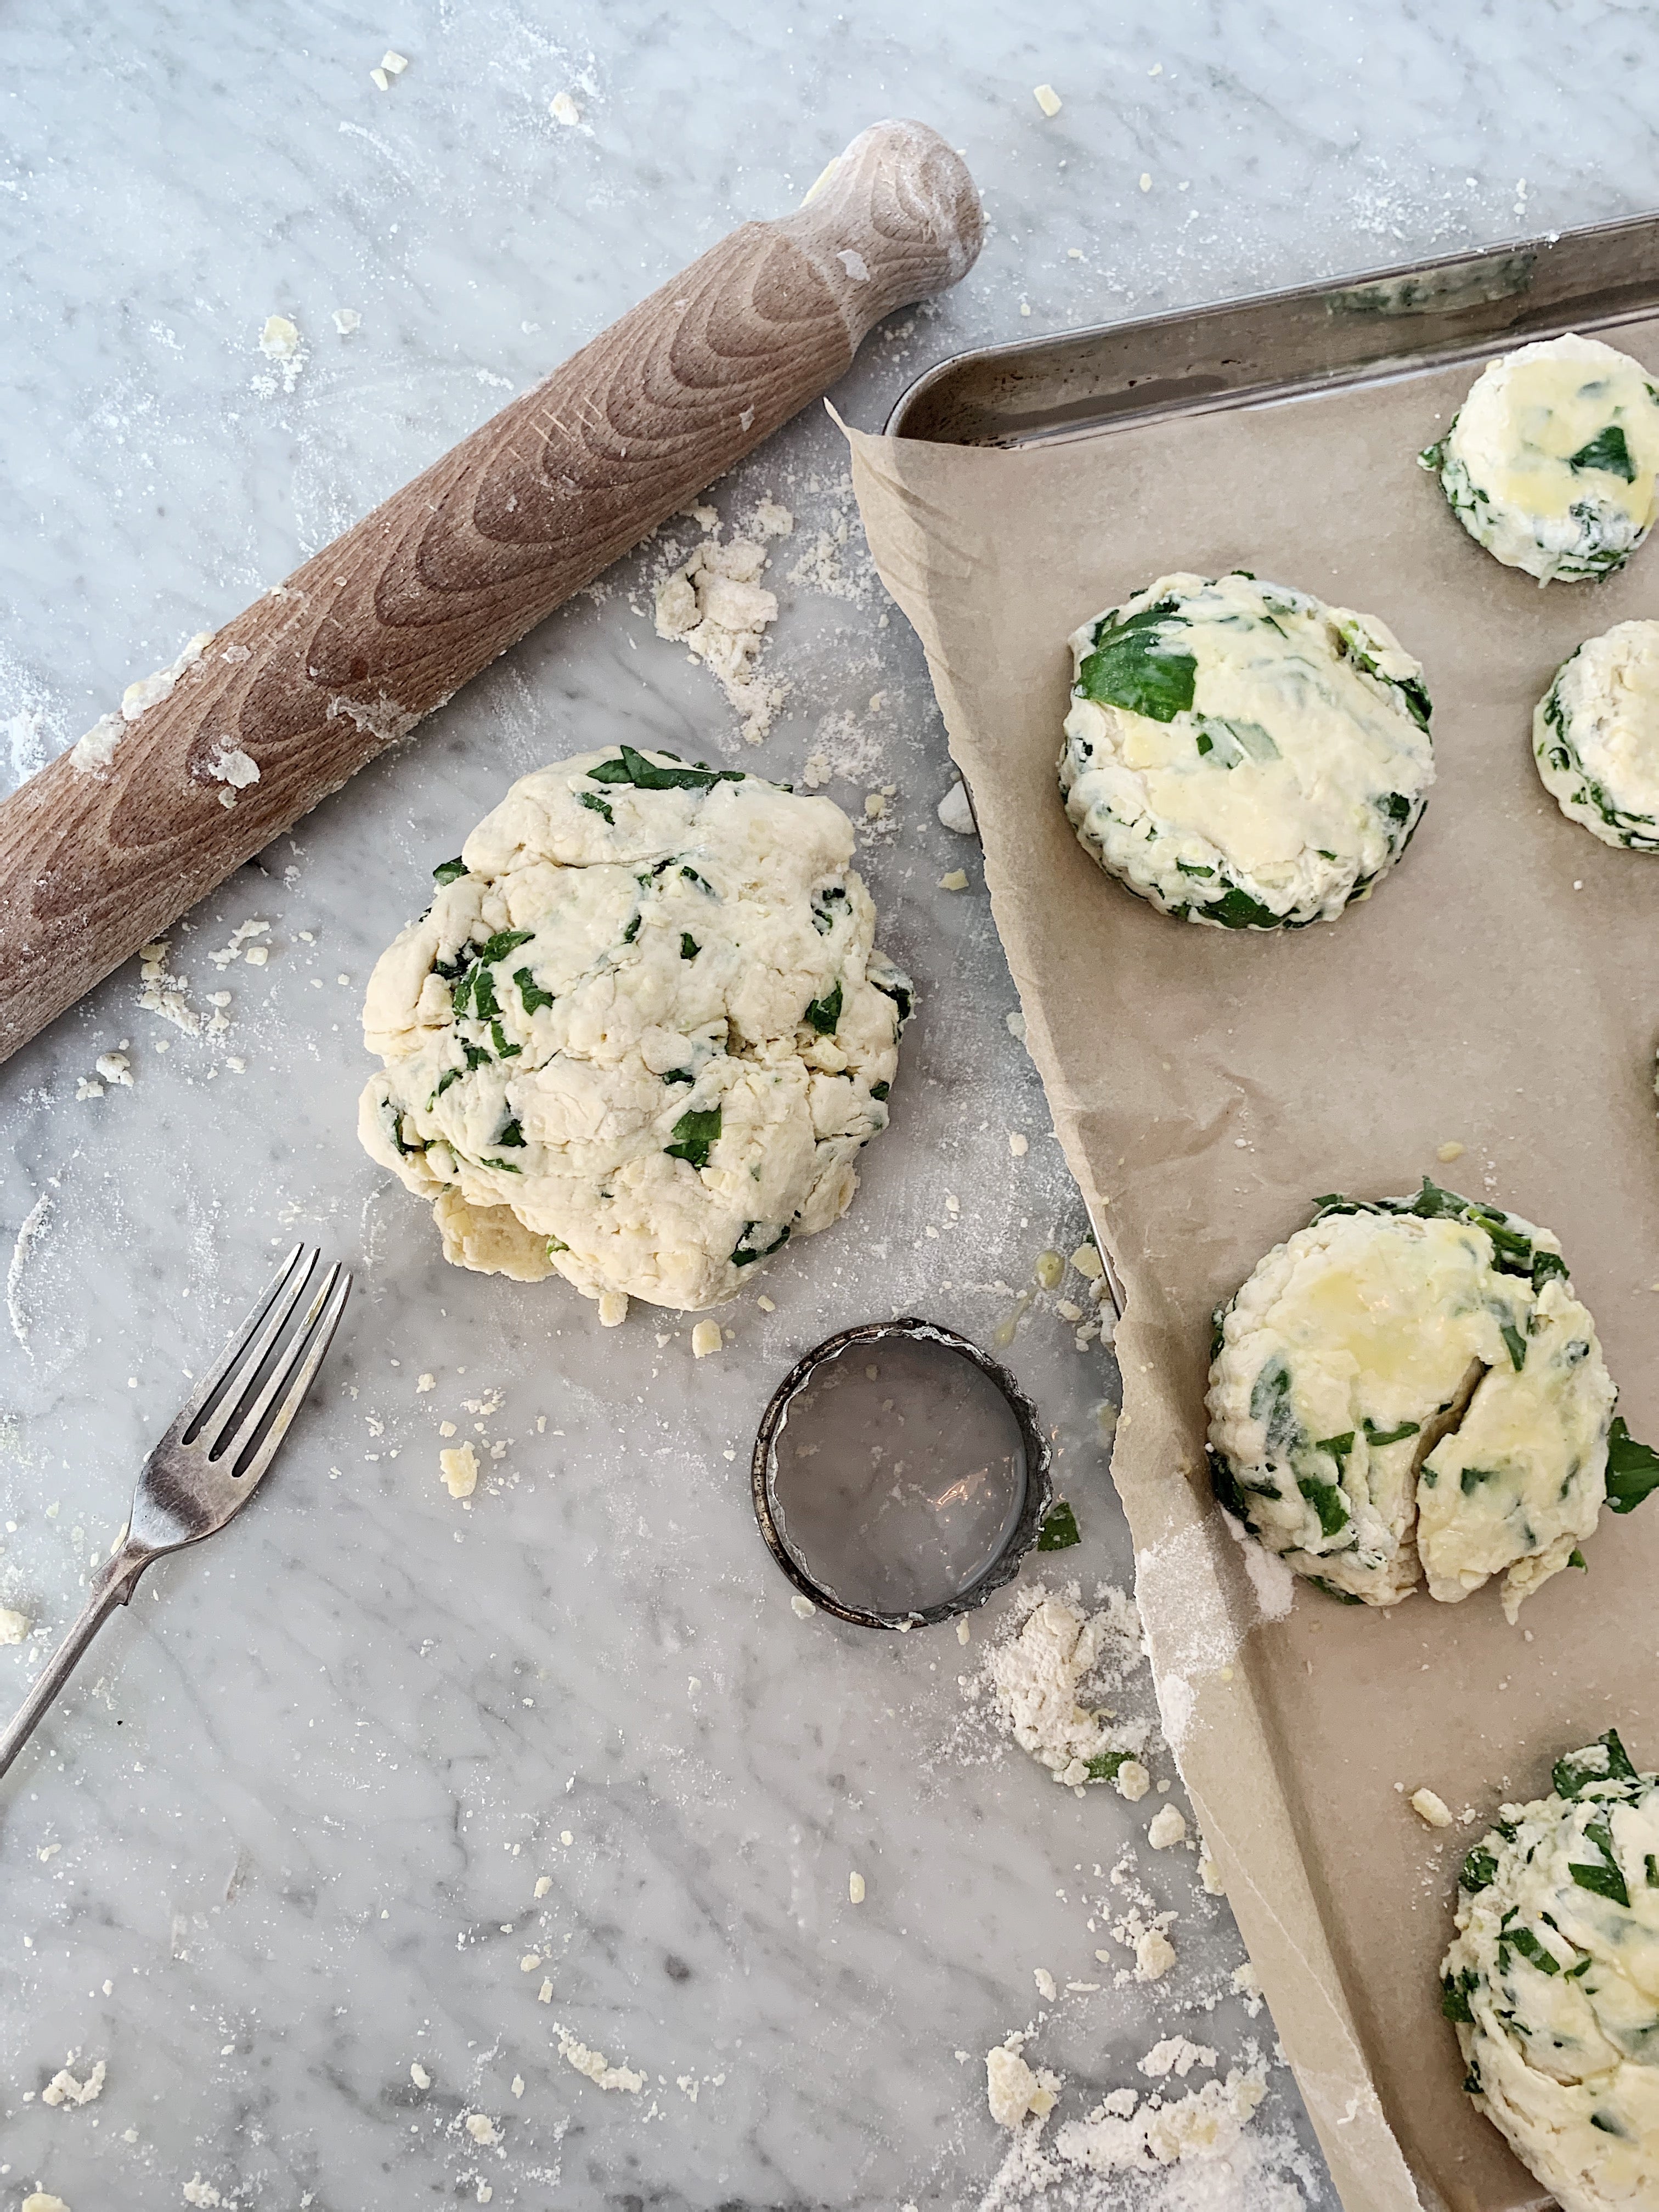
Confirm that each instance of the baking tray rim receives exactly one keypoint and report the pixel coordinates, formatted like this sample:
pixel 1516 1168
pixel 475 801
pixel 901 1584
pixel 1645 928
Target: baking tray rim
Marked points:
pixel 1405 360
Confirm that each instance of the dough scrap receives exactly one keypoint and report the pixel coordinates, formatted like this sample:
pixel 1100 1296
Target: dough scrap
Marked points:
pixel 1551 1980
pixel 1409 1387
pixel 1551 461
pixel 1595 736
pixel 642 1034
pixel 1240 754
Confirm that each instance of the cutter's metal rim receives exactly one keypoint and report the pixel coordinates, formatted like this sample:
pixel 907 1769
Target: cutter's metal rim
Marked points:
pixel 1039 1484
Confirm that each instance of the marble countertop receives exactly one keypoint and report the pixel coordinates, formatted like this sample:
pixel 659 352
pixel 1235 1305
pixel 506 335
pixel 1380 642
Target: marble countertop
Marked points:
pixel 273 1861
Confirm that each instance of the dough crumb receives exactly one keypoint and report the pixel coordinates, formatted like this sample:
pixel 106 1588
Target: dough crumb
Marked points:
pixel 1046 1988
pixel 459 1469
pixel 1154 1955
pixel 481 2128
pixel 41 2201
pixel 115 1068
pixel 802 1606
pixel 1209 1872
pixel 1017 1143
pixel 1087 1261
pixel 706 1337
pixel 1133 1780
pixel 347 320
pixel 597 2067
pixel 855 1889
pixel 281 343
pixel 419 2076
pixel 64 2089
pixel 1046 99
pixel 14 1626
pixel 544 1995
pixel 1450 1152
pixel 955 881
pixel 718 608
pixel 765 1303
pixel 424 1381
pixel 1167 1827
pixel 563 109
pixel 1012 2090
pixel 378 76
pixel 963 1632
pixel 955 811
pixel 613 1308
pixel 1430 1809
pixel 1174 2055
pixel 543 1883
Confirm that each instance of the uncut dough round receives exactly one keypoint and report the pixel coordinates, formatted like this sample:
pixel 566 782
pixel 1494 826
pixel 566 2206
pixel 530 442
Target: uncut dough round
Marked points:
pixel 1407 1387
pixel 1552 1981
pixel 682 1039
pixel 1243 755
pixel 1595 736
pixel 1550 462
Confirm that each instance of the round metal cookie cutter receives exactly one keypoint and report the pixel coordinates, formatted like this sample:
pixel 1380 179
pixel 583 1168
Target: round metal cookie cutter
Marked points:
pixel 1000 1556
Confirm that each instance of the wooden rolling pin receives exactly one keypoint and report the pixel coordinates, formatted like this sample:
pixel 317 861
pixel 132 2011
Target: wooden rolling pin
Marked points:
pixel 108 844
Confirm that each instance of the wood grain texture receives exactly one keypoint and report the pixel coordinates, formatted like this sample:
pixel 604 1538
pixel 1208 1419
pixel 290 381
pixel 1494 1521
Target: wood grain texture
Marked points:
pixel 345 657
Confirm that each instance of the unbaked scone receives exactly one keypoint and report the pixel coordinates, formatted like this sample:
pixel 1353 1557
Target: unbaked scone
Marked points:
pixel 1552 1981
pixel 641 1036
pixel 1243 755
pixel 1551 461
pixel 1595 736
pixel 1409 1387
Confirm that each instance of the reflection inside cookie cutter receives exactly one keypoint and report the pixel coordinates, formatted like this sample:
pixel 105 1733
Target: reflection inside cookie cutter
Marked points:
pixel 900 1475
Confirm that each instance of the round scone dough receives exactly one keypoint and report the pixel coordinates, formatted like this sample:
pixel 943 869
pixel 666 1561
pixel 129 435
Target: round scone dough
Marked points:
pixel 1407 1387
pixel 1243 755
pixel 643 1033
pixel 1595 736
pixel 1552 1981
pixel 1550 462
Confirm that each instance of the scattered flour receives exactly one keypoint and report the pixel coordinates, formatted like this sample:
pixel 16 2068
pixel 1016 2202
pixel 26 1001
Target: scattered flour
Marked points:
pixel 718 608
pixel 286 351
pixel 1038 1675
pixel 1205 2123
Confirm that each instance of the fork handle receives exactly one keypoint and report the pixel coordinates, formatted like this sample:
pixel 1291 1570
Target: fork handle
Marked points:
pixel 114 1585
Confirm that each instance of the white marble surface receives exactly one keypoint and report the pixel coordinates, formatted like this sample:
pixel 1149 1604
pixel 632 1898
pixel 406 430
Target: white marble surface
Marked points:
pixel 280 1843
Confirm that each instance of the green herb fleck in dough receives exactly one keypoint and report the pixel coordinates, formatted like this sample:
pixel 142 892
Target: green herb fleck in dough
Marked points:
pixel 693 1135
pixel 1131 666
pixel 690 947
pixel 595 805
pixel 1059 1531
pixel 824 1013
pixel 645 775
pixel 530 992
pixel 448 871
pixel 1608 452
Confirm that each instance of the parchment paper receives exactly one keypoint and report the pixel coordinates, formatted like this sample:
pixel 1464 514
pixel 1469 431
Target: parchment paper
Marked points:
pixel 1499 991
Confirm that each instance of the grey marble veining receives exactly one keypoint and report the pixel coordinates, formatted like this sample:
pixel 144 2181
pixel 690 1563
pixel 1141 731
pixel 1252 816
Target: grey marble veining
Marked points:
pixel 279 1843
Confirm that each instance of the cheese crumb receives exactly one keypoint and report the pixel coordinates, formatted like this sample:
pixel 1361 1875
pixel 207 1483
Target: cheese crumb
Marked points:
pixel 1432 1809
pixel 544 1995
pixel 706 1337
pixel 1145 182
pixel 613 1308
pixel 1012 2090
pixel 425 1382
pixel 279 338
pixel 418 2076
pixel 543 1883
pixel 1168 1826
pixel 563 109
pixel 955 881
pixel 855 1889
pixel 1450 1151
pixel 802 1606
pixel 379 77
pixel 765 1304
pixel 42 2201
pixel 1046 99
pixel 14 1626
pixel 115 1068
pixel 518 2085
pixel 1018 1145
pixel 459 1469
pixel 347 320
pixel 1088 1262
pixel 1210 1875
pixel 394 64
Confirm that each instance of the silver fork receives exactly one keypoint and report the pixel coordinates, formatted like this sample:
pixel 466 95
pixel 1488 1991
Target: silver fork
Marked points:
pixel 209 1462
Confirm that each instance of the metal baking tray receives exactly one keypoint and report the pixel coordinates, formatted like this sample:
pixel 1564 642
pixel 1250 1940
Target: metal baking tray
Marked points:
pixel 1285 344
